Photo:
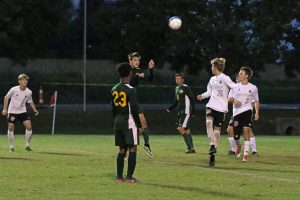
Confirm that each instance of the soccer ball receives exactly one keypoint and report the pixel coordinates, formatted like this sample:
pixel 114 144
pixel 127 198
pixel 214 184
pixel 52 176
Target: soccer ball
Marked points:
pixel 175 23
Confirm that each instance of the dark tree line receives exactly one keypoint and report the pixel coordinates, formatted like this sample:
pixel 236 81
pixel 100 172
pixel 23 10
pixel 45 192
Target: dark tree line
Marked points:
pixel 245 32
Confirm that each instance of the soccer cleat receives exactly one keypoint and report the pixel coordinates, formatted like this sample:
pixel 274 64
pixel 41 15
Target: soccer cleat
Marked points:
pixel 245 158
pixel 254 153
pixel 131 180
pixel 119 179
pixel 28 148
pixel 11 149
pixel 212 160
pixel 212 150
pixel 238 150
pixel 189 151
pixel 148 150
pixel 231 153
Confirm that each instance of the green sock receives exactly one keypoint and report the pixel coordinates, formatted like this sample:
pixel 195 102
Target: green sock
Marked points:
pixel 191 140
pixel 186 140
pixel 146 135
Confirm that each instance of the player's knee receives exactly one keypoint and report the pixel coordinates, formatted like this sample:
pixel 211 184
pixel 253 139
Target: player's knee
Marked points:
pixel 230 131
pixel 209 122
pixel 181 130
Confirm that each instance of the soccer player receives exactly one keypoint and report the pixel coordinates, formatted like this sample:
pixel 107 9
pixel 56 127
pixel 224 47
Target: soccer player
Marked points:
pixel 19 96
pixel 137 75
pixel 234 131
pixel 127 123
pixel 243 95
pixel 217 106
pixel 185 104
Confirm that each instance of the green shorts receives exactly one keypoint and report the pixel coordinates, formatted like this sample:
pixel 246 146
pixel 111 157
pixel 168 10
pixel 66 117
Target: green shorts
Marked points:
pixel 127 137
pixel 183 120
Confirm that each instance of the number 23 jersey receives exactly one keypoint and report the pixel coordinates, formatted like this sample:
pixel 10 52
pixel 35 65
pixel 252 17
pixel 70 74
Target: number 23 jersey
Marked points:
pixel 124 107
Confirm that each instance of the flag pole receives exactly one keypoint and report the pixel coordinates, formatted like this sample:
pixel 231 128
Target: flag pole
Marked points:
pixel 54 112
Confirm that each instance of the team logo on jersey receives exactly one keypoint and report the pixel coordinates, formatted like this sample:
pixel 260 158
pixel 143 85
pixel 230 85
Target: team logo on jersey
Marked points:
pixel 249 91
pixel 235 123
pixel 220 82
pixel 12 118
pixel 180 91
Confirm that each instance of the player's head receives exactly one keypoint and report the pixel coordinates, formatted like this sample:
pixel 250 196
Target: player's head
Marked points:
pixel 179 78
pixel 124 69
pixel 245 73
pixel 23 79
pixel 134 59
pixel 217 65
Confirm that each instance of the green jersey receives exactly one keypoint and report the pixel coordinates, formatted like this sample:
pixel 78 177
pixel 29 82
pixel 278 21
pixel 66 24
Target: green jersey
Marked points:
pixel 184 100
pixel 135 78
pixel 124 107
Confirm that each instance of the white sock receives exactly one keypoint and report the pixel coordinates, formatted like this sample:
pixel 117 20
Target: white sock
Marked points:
pixel 246 147
pixel 232 144
pixel 11 139
pixel 210 131
pixel 217 134
pixel 253 144
pixel 28 134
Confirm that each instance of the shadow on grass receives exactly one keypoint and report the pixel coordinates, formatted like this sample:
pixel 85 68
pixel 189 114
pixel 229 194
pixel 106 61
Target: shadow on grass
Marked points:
pixel 15 158
pixel 196 189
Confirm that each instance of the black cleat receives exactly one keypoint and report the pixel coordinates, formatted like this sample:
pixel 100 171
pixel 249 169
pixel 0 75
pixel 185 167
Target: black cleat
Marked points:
pixel 254 153
pixel 231 153
pixel 189 151
pixel 212 160
pixel 28 148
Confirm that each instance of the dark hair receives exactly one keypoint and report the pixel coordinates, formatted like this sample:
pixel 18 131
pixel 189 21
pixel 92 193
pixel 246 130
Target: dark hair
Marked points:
pixel 248 71
pixel 179 74
pixel 123 69
pixel 134 54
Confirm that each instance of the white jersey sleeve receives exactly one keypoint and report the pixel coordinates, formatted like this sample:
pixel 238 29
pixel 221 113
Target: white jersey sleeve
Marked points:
pixel 208 91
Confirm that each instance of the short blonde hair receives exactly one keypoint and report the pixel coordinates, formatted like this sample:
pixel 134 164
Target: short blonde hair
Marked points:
pixel 219 63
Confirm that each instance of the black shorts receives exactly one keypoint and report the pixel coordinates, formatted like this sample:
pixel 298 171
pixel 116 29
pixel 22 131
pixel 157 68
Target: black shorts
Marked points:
pixel 240 121
pixel 126 138
pixel 183 120
pixel 218 117
pixel 12 118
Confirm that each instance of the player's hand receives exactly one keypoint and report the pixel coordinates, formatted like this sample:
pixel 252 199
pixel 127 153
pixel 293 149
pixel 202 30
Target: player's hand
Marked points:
pixel 36 113
pixel 141 75
pixel 4 112
pixel 151 64
pixel 237 102
pixel 199 97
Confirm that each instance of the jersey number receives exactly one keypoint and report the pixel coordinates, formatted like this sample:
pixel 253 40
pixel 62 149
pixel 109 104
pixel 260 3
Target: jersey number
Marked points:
pixel 119 98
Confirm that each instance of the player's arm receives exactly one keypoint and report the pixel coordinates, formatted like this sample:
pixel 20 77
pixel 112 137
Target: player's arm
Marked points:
pixel 191 96
pixel 6 100
pixel 205 94
pixel 134 108
pixel 229 82
pixel 256 104
pixel 230 96
pixel 174 105
pixel 151 66
pixel 32 105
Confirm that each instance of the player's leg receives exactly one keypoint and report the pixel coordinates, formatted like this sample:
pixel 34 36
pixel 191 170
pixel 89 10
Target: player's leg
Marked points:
pixel 182 131
pixel 11 120
pixel 132 140
pixel 120 141
pixel 231 141
pixel 219 118
pixel 187 132
pixel 253 143
pixel 246 132
pixel 145 134
pixel 28 134
pixel 190 137
pixel 209 127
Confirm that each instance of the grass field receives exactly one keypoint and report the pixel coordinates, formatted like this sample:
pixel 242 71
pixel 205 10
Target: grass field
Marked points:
pixel 70 167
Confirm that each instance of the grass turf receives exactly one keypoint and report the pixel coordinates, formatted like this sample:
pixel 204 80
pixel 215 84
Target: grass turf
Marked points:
pixel 84 166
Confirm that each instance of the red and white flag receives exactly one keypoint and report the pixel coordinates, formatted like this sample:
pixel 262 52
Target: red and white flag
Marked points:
pixel 53 99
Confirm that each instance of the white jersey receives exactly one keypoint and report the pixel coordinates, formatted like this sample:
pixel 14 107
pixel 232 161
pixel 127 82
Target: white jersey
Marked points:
pixel 18 99
pixel 218 89
pixel 246 94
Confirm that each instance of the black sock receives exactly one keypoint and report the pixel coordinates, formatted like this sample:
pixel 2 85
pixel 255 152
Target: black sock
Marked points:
pixel 120 164
pixel 131 164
